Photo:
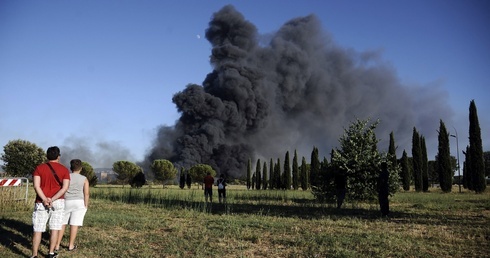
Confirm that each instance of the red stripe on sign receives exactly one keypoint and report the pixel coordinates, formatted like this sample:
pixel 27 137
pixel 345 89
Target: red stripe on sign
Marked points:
pixel 10 182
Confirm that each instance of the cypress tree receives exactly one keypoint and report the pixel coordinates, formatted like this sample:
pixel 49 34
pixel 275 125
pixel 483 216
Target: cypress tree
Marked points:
pixel 486 157
pixel 258 175
pixel 405 172
pixel 188 180
pixel 287 172
pixel 273 180
pixel 425 165
pixel 392 150
pixel 295 171
pixel 304 174
pixel 264 176
pixel 444 160
pixel 249 174
pixel 324 169
pixel 417 160
pixel 477 165
pixel 314 167
pixel 467 182
pixel 277 174
pixel 271 175
pixel 182 178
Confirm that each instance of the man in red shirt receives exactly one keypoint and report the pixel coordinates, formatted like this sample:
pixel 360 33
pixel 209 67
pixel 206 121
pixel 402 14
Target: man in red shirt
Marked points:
pixel 51 180
pixel 208 187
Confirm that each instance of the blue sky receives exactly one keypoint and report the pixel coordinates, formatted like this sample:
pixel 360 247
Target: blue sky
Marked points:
pixel 101 74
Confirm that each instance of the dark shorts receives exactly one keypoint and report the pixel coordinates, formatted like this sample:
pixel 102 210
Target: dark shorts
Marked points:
pixel 208 191
pixel 222 193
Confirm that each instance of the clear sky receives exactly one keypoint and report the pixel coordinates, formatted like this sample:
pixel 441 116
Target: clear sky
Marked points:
pixel 100 75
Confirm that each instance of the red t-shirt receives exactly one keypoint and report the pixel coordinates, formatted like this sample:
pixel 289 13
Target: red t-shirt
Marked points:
pixel 49 185
pixel 208 181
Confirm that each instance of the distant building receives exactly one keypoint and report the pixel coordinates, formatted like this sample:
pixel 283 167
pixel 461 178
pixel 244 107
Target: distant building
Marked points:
pixel 105 175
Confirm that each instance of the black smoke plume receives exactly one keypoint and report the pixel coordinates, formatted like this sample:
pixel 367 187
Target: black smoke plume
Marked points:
pixel 297 91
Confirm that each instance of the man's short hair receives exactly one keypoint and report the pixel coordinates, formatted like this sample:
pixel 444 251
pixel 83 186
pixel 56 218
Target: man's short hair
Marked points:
pixel 53 153
pixel 75 165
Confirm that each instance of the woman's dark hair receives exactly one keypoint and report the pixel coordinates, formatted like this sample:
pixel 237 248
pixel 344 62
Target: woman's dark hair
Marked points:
pixel 75 165
pixel 53 153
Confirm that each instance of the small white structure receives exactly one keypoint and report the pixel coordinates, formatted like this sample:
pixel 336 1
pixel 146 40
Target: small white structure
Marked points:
pixel 14 188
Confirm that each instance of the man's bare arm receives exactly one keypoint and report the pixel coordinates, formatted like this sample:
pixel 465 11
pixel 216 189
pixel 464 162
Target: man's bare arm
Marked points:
pixel 66 184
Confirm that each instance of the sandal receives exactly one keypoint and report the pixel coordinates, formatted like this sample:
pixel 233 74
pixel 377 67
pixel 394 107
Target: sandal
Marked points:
pixel 73 249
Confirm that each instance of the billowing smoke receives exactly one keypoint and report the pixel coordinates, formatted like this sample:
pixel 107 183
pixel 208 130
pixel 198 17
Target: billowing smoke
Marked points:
pixel 103 156
pixel 297 91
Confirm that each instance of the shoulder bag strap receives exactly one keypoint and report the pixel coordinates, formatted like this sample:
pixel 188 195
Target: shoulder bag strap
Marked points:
pixel 54 174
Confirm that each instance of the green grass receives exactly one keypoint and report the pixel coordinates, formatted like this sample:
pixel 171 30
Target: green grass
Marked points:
pixel 170 222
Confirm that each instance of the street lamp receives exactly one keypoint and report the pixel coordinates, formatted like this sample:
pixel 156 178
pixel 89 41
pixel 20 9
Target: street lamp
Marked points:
pixel 457 149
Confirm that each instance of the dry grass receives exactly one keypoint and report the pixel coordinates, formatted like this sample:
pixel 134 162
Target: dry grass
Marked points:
pixel 177 223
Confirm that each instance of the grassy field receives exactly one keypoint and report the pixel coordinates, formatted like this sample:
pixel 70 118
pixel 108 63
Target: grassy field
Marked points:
pixel 170 222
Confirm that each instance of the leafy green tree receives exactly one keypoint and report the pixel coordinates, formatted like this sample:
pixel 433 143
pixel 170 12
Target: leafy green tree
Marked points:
pixel 125 170
pixel 295 171
pixel 359 159
pixel 163 170
pixel 477 165
pixel 287 172
pixel 433 175
pixel 199 171
pixel 304 174
pixel 88 172
pixel 21 157
pixel 249 174
pixel 325 190
pixel 264 176
pixel 417 160
pixel 314 167
pixel 405 168
pixel 258 175
pixel 425 165
pixel 138 180
pixel 444 159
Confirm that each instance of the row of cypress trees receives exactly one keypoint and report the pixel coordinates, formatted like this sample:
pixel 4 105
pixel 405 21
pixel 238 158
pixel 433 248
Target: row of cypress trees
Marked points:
pixel 473 167
pixel 306 175
pixel 281 177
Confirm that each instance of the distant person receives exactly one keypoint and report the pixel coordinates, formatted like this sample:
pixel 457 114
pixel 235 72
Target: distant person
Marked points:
pixel 221 188
pixel 51 180
pixel 340 181
pixel 76 203
pixel 384 190
pixel 208 187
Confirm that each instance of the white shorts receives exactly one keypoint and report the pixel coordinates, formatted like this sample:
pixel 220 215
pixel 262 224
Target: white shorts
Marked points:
pixel 42 214
pixel 74 212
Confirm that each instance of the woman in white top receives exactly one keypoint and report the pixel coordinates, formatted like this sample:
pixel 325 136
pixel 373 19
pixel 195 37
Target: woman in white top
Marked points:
pixel 76 203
